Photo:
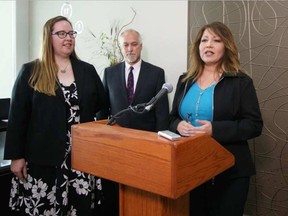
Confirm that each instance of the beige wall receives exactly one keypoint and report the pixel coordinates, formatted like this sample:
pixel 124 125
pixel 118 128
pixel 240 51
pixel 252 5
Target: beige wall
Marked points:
pixel 6 46
pixel 163 25
pixel 260 28
pixel 13 43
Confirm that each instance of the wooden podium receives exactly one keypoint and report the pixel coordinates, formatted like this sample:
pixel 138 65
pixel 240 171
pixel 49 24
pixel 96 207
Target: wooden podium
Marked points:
pixel 155 174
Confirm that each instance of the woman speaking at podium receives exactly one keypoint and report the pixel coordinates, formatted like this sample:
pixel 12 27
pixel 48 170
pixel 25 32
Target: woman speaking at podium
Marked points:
pixel 218 98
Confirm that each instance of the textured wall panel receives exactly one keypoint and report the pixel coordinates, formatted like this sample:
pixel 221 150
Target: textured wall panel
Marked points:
pixel 261 31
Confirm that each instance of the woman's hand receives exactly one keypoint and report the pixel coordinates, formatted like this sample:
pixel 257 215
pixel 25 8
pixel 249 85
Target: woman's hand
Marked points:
pixel 18 167
pixel 206 127
pixel 186 129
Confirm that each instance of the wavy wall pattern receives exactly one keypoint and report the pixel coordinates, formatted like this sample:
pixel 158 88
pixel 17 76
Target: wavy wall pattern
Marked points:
pixel 261 30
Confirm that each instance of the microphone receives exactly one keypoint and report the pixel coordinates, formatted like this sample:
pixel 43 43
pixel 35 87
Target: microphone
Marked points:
pixel 166 88
pixel 144 107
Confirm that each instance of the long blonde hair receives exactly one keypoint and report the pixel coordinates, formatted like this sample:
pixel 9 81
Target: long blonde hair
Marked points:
pixel 44 74
pixel 230 62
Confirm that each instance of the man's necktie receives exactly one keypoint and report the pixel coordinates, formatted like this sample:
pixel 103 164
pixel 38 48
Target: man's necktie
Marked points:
pixel 130 85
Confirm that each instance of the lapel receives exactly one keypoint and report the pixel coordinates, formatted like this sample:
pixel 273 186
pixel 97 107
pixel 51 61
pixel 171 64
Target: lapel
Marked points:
pixel 78 75
pixel 59 93
pixel 141 79
pixel 122 76
pixel 122 83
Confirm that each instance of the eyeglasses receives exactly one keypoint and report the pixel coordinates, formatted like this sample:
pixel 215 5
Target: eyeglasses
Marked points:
pixel 63 34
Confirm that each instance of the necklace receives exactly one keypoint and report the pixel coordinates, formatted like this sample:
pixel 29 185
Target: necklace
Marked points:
pixel 204 86
pixel 64 70
pixel 201 93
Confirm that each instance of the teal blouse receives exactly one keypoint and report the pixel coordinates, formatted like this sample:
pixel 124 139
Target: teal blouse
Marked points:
pixel 197 104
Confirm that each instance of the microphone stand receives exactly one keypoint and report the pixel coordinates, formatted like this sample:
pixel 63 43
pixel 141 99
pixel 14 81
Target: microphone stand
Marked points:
pixel 139 108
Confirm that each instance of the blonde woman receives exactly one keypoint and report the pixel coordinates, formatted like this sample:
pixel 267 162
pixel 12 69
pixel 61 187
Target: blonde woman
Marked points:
pixel 51 94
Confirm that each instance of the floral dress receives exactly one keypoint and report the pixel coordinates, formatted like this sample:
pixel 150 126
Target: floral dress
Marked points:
pixel 58 190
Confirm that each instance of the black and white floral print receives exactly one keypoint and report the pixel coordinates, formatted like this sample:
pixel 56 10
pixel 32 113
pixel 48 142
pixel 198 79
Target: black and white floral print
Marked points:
pixel 51 191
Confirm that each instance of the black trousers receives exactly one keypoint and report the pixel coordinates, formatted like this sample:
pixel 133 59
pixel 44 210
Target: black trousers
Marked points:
pixel 220 197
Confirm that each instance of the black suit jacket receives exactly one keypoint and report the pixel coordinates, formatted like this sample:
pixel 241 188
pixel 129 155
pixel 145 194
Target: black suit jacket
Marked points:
pixel 150 81
pixel 37 123
pixel 236 118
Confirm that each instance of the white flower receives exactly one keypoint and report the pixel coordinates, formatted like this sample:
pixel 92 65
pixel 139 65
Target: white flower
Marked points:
pixel 78 173
pixel 99 184
pixel 81 186
pixel 73 212
pixel 28 183
pixel 14 188
pixel 50 212
pixel 51 195
pixel 39 189
pixel 65 198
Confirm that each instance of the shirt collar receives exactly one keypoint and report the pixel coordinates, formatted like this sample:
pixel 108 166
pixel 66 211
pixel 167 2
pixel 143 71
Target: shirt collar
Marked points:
pixel 135 66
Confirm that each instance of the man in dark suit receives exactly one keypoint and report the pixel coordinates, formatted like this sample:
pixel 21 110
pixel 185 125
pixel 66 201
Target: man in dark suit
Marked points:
pixel 147 81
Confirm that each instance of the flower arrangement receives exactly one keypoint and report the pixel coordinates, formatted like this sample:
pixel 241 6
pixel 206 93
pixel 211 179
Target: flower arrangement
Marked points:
pixel 108 43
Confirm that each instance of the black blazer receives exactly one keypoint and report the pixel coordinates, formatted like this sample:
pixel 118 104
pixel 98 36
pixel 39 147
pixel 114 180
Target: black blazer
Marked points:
pixel 236 118
pixel 37 123
pixel 150 82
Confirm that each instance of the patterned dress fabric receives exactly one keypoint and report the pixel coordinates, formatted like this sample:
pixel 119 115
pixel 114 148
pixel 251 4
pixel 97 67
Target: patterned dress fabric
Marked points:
pixel 58 190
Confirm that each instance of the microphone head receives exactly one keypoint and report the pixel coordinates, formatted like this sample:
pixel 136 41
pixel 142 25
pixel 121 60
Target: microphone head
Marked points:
pixel 168 87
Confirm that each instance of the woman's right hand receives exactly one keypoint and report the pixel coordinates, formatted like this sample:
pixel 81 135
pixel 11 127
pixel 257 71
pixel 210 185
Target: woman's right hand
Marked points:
pixel 184 128
pixel 18 167
pixel 187 129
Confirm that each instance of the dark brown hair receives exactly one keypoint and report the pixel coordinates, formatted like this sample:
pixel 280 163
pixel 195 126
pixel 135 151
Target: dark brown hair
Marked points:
pixel 230 62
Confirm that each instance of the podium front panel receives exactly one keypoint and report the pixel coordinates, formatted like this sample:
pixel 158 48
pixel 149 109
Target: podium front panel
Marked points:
pixel 146 161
